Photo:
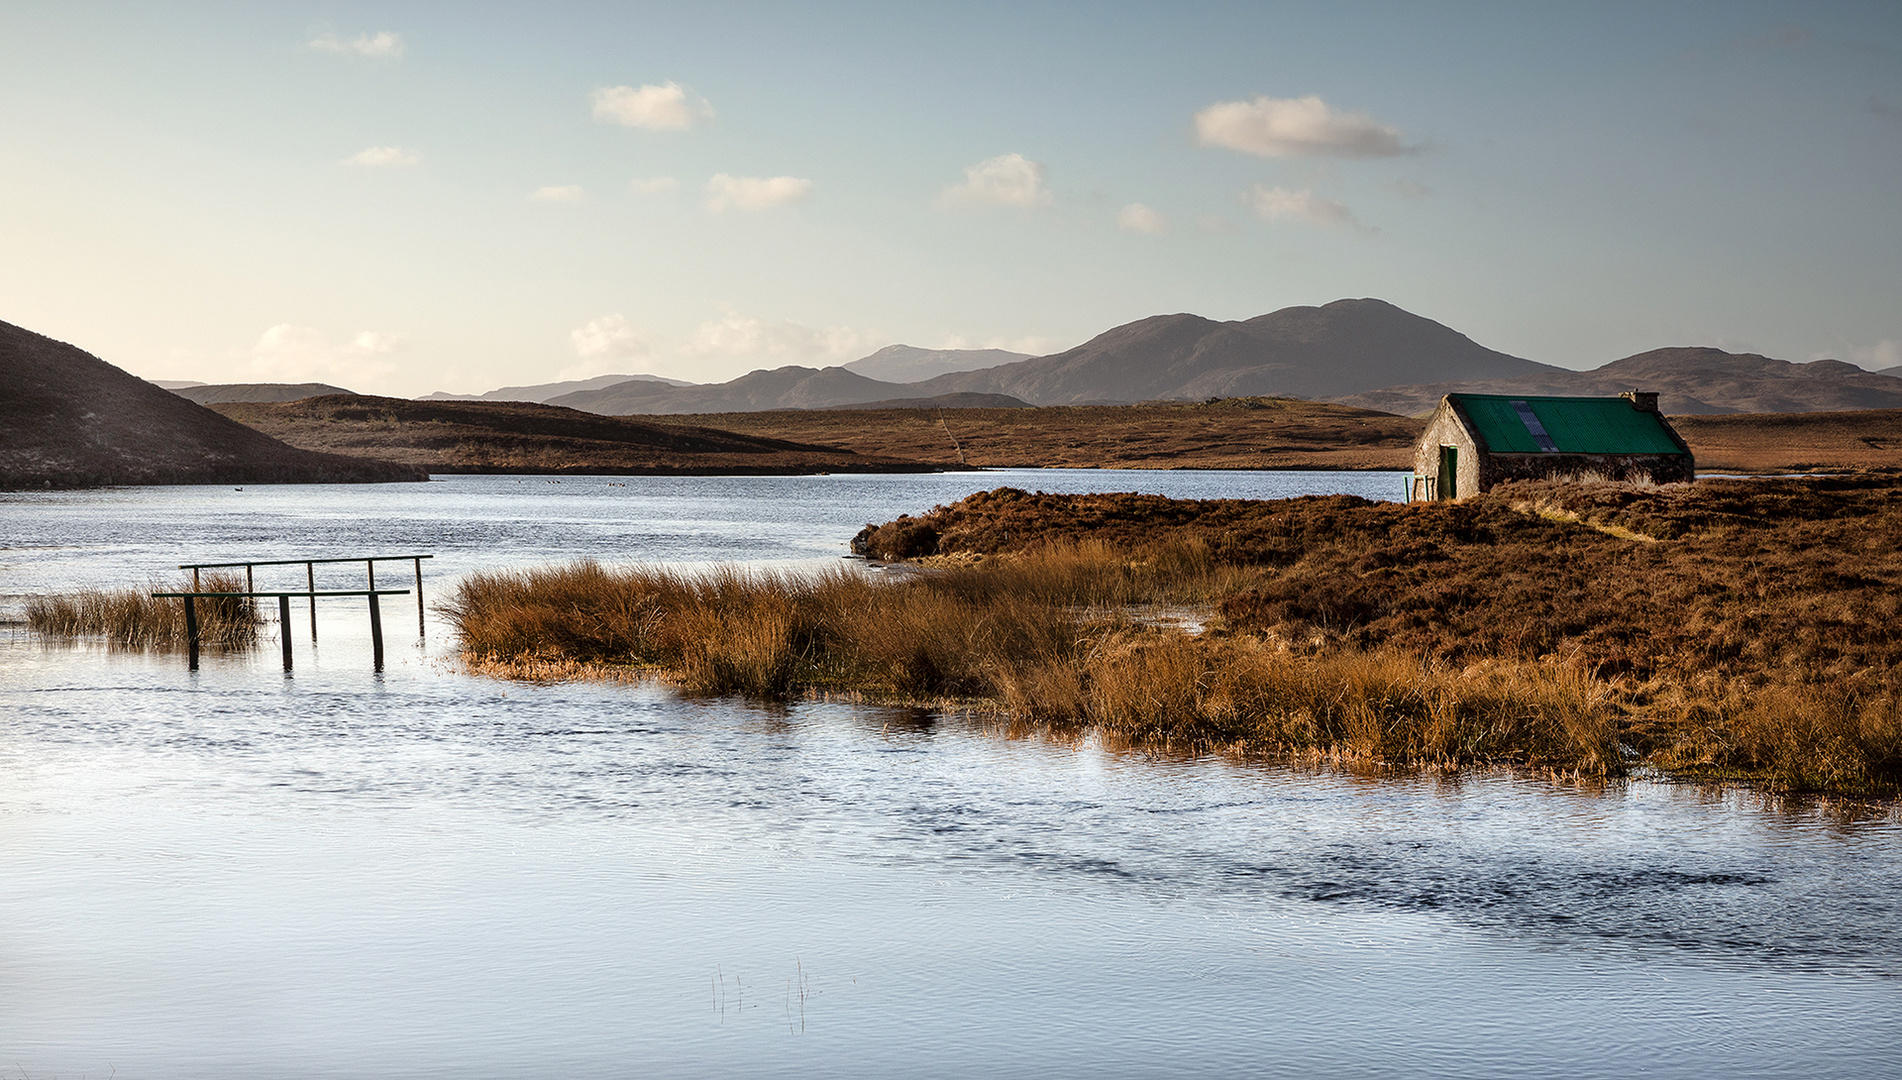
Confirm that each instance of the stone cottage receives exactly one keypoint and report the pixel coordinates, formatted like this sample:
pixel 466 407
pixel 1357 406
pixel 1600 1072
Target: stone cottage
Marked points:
pixel 1477 440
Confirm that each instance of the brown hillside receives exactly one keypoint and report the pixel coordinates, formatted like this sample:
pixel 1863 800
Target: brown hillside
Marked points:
pixel 522 437
pixel 72 420
pixel 1231 433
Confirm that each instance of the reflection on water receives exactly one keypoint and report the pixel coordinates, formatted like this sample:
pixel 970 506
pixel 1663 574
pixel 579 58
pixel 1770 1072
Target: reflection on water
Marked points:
pixel 425 873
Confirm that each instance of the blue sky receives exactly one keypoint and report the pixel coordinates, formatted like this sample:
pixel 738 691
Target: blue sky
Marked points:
pixel 401 198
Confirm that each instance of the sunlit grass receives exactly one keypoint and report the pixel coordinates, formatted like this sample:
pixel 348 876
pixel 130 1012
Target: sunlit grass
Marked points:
pixel 133 617
pixel 1051 636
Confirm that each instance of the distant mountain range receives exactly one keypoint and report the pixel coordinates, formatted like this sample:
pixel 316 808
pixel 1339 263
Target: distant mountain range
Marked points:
pixel 1688 381
pixel 542 393
pixel 908 363
pixel 1366 353
pixel 781 388
pixel 73 420
pixel 1319 353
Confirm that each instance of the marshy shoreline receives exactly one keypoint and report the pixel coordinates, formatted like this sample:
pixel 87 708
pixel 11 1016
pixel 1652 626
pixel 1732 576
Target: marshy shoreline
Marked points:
pixel 1739 632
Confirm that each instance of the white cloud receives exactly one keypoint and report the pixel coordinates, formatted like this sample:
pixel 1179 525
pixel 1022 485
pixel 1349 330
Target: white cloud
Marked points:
pixel 1275 203
pixel 382 45
pixel 667 107
pixel 287 353
pixel 659 185
pixel 753 193
pixel 1886 353
pixel 1005 180
pixel 377 157
pixel 571 193
pixel 610 337
pixel 1138 218
pixel 739 335
pixel 1295 127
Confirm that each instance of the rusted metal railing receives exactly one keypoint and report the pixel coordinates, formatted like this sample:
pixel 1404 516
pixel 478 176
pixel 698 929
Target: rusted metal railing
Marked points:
pixel 310 577
pixel 283 615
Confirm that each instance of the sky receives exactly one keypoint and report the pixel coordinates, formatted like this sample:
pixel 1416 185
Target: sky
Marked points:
pixel 403 198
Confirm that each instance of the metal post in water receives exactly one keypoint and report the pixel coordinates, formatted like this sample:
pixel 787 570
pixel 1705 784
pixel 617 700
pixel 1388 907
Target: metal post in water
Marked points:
pixel 310 582
pixel 284 626
pixel 191 632
pixel 376 632
pixel 419 596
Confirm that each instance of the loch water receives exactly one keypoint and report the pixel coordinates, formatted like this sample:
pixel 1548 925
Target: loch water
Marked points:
pixel 236 872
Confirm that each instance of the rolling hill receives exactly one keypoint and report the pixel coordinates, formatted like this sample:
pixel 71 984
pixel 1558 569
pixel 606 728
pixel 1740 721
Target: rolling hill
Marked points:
pixel 1346 347
pixel 1689 381
pixel 544 392
pixel 527 437
pixel 72 420
pixel 789 387
pixel 212 393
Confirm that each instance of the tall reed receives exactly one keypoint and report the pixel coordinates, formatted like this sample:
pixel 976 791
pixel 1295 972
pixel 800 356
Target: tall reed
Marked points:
pixel 133 617
pixel 1047 637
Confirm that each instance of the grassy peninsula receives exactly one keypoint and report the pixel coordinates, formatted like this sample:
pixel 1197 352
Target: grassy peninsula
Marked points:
pixel 1734 630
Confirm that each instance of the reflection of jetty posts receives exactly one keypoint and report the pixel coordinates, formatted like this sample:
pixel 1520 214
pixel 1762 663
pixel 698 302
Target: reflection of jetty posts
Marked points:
pixel 283 615
pixel 310 584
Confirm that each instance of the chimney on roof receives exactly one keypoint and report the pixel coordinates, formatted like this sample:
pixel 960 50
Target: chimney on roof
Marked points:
pixel 1642 400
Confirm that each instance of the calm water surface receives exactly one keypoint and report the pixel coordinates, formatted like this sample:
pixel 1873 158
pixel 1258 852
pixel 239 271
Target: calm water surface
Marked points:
pixel 236 873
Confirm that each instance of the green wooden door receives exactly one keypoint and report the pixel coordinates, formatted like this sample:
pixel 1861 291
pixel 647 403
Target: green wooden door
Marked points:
pixel 1449 472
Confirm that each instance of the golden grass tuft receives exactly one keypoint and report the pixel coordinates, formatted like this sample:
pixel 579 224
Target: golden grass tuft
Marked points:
pixel 1049 636
pixel 132 617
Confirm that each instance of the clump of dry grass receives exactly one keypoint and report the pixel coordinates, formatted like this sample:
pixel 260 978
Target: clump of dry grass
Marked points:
pixel 1047 636
pixel 133 617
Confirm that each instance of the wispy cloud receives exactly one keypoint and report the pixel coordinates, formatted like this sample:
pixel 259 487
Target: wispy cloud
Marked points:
pixel 1005 180
pixel 1295 127
pixel 1030 344
pixel 1884 354
pixel 1411 189
pixel 1884 109
pixel 384 157
pixel 569 193
pixel 1137 218
pixel 1276 203
pixel 288 353
pixel 382 45
pixel 666 107
pixel 659 185
pixel 754 193
pixel 610 337
pixel 739 335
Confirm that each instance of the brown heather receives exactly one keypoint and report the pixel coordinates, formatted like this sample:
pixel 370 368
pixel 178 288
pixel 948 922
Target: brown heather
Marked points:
pixel 1747 629
pixel 133 617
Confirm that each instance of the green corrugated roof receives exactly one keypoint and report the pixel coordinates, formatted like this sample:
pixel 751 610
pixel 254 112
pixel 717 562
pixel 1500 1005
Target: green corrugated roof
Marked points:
pixel 1572 425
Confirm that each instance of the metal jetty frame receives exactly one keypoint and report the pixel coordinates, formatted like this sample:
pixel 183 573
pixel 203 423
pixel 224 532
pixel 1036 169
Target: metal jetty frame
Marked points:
pixel 311 592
